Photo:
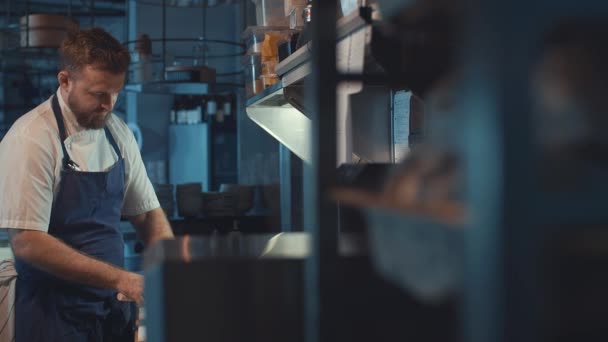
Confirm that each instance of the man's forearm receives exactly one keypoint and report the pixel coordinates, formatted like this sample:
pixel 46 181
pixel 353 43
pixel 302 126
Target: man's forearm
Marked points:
pixel 51 255
pixel 152 226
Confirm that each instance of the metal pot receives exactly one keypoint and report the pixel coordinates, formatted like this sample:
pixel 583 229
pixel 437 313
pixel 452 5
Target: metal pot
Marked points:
pixel 44 30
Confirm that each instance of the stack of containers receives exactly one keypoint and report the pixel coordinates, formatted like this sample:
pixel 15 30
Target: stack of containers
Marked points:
pixel 262 41
pixel 294 10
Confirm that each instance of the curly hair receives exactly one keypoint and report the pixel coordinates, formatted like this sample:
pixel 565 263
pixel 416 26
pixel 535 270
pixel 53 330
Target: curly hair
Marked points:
pixel 93 47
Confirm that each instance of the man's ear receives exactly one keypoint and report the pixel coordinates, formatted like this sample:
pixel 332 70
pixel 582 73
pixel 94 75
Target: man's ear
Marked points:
pixel 64 79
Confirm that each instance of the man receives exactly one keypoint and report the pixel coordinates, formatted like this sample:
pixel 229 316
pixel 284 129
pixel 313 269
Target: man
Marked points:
pixel 69 169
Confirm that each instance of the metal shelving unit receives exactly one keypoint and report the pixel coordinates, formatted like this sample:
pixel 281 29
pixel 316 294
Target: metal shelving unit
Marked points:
pixel 320 217
pixel 277 112
pixel 184 88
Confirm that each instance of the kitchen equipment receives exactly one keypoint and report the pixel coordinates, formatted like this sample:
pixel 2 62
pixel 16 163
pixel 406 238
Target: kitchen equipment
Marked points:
pixel 268 67
pixel 190 74
pixel 290 5
pixel 270 13
pixel 164 193
pixel 216 204
pixel 189 200
pixel 306 33
pixel 250 287
pixel 272 196
pixel 252 65
pixel 269 80
pixel 141 69
pixel 294 10
pixel 253 37
pixel 44 30
pixel 244 195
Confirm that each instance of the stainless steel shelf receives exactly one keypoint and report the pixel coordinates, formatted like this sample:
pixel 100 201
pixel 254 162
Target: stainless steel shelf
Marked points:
pixel 283 119
pixel 271 111
pixel 181 88
pixel 297 66
pixel 264 93
pixel 249 246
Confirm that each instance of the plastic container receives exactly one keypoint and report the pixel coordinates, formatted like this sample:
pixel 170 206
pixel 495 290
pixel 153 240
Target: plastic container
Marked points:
pixel 269 80
pixel 294 11
pixel 252 65
pixel 253 37
pixel 270 13
pixel 290 5
pixel 296 17
pixel 268 67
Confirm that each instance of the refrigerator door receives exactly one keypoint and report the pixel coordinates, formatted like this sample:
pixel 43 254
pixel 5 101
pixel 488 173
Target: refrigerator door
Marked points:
pixel 189 154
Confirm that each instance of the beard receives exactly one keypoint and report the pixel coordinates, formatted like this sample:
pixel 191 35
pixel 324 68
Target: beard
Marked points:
pixel 88 119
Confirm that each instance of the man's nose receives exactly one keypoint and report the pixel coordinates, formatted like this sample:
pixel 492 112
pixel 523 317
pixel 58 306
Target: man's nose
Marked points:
pixel 107 102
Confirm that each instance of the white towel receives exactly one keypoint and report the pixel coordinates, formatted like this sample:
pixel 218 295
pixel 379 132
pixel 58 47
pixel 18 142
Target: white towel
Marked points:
pixel 8 278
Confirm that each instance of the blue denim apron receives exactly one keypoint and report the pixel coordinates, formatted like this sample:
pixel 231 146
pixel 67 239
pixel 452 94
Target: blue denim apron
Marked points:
pixel 86 216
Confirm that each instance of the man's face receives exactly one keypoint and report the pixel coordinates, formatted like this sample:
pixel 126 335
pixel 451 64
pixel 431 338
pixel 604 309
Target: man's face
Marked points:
pixel 91 94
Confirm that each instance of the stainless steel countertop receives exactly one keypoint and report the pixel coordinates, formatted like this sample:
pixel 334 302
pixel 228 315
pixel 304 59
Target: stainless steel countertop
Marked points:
pixel 249 246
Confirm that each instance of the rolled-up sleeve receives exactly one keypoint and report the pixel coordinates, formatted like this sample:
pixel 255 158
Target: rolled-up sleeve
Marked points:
pixel 26 183
pixel 140 196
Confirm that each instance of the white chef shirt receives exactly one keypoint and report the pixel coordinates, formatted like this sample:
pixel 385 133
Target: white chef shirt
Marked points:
pixel 31 162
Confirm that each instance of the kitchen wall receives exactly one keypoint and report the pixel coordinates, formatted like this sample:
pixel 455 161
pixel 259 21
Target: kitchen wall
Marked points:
pixel 151 111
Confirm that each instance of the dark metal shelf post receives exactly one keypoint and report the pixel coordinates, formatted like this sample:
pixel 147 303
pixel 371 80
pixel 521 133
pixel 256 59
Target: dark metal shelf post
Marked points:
pixel 320 217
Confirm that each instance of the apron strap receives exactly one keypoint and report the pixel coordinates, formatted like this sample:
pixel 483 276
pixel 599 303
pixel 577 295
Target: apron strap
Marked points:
pixel 59 118
pixel 112 141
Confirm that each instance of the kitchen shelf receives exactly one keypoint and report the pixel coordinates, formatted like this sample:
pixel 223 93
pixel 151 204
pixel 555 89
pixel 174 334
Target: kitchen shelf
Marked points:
pixel 297 66
pixel 279 118
pixel 181 88
pixel 283 117
pixel 266 93
pixel 295 245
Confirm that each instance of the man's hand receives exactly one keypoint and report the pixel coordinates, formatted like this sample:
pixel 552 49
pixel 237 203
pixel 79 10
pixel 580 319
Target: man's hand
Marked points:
pixel 51 255
pixel 131 288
